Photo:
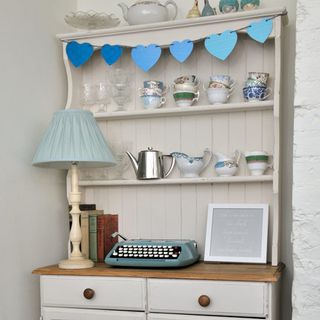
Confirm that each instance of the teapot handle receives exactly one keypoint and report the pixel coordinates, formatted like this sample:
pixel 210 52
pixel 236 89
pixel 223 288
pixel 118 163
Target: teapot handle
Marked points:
pixel 171 166
pixel 175 8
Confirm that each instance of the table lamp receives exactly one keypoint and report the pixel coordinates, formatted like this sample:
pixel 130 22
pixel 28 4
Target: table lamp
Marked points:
pixel 74 140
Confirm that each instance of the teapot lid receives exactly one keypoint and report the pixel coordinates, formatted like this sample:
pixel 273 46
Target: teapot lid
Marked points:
pixel 146 2
pixel 149 149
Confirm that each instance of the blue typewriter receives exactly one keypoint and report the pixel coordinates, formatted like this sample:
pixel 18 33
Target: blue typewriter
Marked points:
pixel 153 253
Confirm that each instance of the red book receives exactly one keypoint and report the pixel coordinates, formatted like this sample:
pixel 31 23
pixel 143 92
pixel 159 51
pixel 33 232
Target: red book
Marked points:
pixel 100 237
pixel 111 226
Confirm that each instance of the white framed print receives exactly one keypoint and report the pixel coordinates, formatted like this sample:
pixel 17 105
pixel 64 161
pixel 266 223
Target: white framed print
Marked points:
pixel 237 233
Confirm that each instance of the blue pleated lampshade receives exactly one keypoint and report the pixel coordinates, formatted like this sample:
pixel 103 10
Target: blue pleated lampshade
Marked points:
pixel 73 136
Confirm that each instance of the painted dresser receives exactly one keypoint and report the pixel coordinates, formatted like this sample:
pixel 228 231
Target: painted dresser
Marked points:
pixel 202 291
pixel 175 207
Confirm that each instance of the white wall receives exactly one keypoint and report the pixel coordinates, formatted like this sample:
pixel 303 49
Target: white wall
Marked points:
pixel 306 165
pixel 33 225
pixel 110 6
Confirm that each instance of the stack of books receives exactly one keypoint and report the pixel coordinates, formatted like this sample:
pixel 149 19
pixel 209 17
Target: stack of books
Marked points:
pixel 96 229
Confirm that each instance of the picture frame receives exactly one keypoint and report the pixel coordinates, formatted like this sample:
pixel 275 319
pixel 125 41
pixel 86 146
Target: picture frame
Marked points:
pixel 237 233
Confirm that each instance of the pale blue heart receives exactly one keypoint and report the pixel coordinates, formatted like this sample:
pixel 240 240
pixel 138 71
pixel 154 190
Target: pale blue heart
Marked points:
pixel 221 45
pixel 111 54
pixel 78 53
pixel 261 30
pixel 146 57
pixel 181 50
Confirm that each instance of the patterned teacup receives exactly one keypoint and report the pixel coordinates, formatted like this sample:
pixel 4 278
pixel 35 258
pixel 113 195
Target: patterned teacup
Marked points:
pixel 154 84
pixel 153 102
pixel 220 81
pixel 259 76
pixel 185 98
pixel 186 83
pixel 256 93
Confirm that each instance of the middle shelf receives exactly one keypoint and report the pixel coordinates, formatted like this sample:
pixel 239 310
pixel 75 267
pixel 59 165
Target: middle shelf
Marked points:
pixel 177 181
pixel 186 111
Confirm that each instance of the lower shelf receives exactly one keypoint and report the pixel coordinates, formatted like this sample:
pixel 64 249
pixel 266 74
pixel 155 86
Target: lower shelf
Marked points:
pixel 234 179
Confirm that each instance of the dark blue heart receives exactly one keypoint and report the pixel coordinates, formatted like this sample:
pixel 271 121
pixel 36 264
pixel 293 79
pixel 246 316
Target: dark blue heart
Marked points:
pixel 221 45
pixel 260 31
pixel 78 53
pixel 181 50
pixel 111 54
pixel 146 57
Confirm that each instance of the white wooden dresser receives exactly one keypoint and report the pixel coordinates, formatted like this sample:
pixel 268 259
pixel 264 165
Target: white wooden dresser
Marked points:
pixel 202 291
pixel 176 208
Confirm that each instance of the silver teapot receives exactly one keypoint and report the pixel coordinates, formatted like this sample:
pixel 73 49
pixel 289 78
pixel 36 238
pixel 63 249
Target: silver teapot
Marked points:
pixel 150 164
pixel 147 11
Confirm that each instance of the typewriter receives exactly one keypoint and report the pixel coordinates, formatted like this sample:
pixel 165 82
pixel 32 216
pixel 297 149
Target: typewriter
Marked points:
pixel 153 253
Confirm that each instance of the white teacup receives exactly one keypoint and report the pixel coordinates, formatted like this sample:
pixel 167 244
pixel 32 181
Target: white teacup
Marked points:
pixel 257 162
pixel 218 95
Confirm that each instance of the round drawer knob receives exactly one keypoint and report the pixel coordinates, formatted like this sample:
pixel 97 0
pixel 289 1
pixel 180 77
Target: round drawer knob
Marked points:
pixel 88 293
pixel 204 300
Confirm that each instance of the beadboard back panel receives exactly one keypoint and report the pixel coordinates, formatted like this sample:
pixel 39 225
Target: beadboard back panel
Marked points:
pixel 179 210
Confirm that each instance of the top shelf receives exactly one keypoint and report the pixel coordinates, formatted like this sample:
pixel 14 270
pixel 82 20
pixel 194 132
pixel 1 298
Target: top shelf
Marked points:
pixel 194 29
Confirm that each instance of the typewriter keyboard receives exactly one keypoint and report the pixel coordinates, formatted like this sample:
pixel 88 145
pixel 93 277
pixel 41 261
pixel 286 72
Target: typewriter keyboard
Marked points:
pixel 147 252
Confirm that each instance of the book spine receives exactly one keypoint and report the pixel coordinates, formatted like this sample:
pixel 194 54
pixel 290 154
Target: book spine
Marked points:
pixel 111 226
pixel 100 237
pixel 85 234
pixel 93 238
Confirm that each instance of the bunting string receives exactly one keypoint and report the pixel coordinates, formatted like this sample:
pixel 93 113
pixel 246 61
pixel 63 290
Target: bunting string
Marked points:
pixel 219 45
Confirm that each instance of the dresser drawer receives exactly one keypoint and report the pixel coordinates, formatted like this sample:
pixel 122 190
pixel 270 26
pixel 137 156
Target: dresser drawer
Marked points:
pixel 225 297
pixel 159 316
pixel 109 293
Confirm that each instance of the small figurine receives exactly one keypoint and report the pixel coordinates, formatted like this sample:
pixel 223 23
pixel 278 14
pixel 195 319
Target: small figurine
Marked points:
pixel 194 12
pixel 208 10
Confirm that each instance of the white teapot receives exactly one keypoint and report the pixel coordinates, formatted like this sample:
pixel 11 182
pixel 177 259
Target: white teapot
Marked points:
pixel 149 11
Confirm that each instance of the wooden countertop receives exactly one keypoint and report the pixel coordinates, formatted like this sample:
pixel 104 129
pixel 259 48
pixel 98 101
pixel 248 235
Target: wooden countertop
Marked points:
pixel 198 271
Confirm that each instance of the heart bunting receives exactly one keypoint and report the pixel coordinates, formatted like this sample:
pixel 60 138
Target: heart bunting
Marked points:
pixel 78 53
pixel 111 54
pixel 221 45
pixel 260 31
pixel 181 50
pixel 146 57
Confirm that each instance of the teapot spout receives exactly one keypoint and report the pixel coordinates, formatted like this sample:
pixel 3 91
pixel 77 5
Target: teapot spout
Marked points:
pixel 133 160
pixel 124 9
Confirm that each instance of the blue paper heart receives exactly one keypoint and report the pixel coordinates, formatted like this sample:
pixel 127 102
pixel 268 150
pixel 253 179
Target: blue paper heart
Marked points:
pixel 111 54
pixel 221 45
pixel 146 57
pixel 181 50
pixel 260 31
pixel 78 53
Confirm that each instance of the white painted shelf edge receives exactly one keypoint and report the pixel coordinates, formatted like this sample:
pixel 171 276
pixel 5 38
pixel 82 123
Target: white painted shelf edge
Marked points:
pixel 233 179
pixel 180 23
pixel 186 111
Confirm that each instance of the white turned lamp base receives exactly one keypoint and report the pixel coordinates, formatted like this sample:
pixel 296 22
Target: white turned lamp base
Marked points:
pixel 76 260
pixel 76 264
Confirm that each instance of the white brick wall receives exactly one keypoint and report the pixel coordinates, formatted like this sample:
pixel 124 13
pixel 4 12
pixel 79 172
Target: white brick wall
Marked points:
pixel 306 165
